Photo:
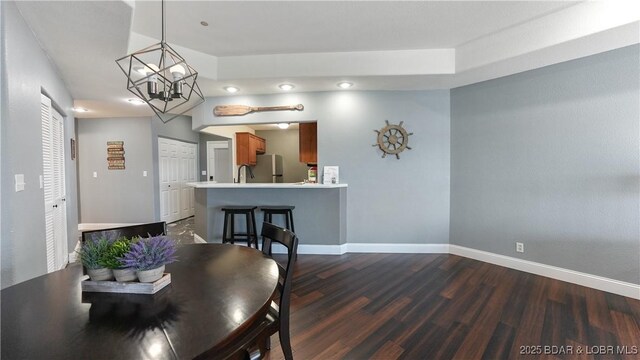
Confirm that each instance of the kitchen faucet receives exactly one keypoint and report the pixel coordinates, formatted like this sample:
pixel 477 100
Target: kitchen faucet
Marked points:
pixel 248 168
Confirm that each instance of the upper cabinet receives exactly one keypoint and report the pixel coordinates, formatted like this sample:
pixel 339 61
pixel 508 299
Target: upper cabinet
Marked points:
pixel 247 147
pixel 309 143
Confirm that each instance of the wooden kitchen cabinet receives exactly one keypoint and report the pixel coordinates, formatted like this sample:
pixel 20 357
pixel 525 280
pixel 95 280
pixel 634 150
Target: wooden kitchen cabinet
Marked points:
pixel 247 147
pixel 308 137
pixel 261 145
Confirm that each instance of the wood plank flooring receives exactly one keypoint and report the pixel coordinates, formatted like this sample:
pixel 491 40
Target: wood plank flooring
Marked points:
pixel 423 306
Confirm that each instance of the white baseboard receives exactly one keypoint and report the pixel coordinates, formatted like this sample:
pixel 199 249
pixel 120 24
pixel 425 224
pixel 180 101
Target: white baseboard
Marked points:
pixel 310 249
pixel 198 239
pixel 554 272
pixel 73 256
pixel 398 248
pixel 367 248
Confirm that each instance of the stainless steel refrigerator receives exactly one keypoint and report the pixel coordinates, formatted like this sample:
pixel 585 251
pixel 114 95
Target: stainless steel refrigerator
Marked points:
pixel 268 169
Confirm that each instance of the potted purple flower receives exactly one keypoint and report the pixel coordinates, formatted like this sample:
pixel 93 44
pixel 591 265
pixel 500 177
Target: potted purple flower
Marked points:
pixel 148 257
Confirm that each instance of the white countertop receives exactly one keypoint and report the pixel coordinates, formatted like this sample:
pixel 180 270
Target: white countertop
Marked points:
pixel 212 184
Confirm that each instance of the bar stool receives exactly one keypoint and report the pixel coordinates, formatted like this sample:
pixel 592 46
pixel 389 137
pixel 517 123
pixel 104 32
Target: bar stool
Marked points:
pixel 228 232
pixel 286 210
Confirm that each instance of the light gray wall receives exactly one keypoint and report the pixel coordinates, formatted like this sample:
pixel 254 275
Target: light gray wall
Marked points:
pixel 26 73
pixel 404 201
pixel 136 197
pixel 177 129
pixel 550 158
pixel 116 196
pixel 286 143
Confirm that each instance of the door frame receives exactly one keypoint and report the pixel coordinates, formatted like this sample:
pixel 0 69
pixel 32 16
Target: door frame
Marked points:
pixel 218 144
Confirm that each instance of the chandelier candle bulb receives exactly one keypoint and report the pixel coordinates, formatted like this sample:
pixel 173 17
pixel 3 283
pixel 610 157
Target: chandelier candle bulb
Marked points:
pixel 152 81
pixel 177 71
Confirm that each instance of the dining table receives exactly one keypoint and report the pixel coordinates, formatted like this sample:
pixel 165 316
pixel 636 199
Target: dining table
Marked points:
pixel 218 293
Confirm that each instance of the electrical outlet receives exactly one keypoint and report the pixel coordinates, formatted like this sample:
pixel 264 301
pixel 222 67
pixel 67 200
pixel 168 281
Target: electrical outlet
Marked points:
pixel 519 247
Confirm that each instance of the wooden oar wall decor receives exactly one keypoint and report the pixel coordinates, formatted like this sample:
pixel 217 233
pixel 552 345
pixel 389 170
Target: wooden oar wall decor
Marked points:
pixel 239 110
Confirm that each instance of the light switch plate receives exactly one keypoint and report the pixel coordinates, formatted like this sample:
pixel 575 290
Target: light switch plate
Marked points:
pixel 204 173
pixel 95 174
pixel 19 182
pixel 144 173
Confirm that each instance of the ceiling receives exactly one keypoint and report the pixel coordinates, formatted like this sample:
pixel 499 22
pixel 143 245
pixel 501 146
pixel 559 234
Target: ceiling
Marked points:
pixel 286 27
pixel 384 45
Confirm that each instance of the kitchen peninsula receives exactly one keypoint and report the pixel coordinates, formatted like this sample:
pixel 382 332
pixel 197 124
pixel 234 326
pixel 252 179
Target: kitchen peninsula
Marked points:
pixel 319 216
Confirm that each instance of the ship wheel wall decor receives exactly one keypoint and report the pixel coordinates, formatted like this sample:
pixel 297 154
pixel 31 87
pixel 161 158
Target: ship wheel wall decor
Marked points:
pixel 392 139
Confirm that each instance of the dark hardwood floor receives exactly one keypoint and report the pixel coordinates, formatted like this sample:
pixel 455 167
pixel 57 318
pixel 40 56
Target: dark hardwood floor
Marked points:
pixel 419 306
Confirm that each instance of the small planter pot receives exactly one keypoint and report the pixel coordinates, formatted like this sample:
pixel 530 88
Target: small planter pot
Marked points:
pixel 103 274
pixel 152 275
pixel 124 275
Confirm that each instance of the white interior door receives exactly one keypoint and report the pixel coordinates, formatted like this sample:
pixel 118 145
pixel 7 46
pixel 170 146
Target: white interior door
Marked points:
pixel 53 175
pixel 188 172
pixel 177 167
pixel 165 185
pixel 219 162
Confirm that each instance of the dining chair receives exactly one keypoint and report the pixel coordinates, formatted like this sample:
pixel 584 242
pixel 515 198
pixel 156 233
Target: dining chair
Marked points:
pixel 277 320
pixel 143 230
pixel 257 341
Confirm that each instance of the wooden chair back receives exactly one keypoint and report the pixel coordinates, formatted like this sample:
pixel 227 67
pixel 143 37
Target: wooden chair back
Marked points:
pixel 274 234
pixel 142 230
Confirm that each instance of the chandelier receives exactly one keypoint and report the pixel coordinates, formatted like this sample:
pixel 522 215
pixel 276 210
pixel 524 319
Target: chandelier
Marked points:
pixel 160 77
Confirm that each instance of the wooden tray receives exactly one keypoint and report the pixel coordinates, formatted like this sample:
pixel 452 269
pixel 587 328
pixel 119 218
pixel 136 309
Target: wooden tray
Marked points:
pixel 133 287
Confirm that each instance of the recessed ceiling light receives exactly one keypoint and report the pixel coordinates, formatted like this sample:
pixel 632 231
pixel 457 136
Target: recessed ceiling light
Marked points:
pixel 283 126
pixel 345 85
pixel 136 101
pixel 204 23
pixel 231 89
pixel 286 87
pixel 80 110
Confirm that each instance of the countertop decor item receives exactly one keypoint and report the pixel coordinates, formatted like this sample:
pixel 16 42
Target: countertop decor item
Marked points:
pixel 170 83
pixel 331 175
pixel 392 139
pixel 132 287
pixel 239 110
pixel 149 256
pixel 113 260
pixel 93 255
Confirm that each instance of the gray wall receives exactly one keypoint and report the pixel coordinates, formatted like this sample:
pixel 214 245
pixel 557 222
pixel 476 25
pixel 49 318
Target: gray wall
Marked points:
pixel 26 73
pixel 124 196
pixel 404 201
pixel 286 143
pixel 550 158
pixel 116 196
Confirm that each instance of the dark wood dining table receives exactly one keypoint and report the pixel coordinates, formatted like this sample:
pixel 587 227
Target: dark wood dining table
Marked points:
pixel 217 294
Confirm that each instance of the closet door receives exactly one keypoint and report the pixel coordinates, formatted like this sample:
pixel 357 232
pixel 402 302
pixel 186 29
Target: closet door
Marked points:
pixel 177 166
pixel 60 196
pixel 53 176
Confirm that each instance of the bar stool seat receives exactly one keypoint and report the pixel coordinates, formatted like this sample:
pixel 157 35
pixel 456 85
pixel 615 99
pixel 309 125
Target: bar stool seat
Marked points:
pixel 229 235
